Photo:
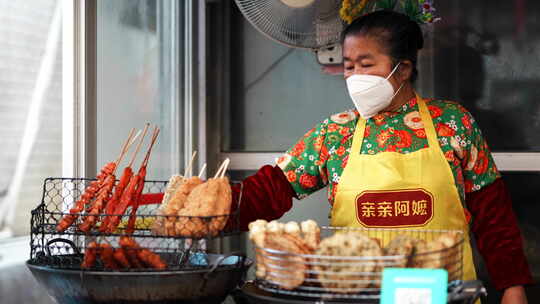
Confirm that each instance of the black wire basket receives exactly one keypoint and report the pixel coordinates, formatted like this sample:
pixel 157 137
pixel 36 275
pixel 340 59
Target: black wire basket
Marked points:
pixel 69 248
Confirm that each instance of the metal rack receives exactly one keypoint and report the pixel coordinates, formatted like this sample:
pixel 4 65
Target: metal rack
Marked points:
pixel 351 278
pixel 66 249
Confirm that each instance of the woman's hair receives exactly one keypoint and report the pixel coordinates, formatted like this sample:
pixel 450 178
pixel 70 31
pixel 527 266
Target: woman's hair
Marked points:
pixel 397 33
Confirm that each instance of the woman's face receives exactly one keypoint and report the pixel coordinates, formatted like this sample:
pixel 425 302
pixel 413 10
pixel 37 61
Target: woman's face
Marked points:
pixel 364 55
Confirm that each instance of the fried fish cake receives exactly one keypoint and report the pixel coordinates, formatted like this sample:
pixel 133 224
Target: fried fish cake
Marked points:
pixel 347 275
pixel 287 269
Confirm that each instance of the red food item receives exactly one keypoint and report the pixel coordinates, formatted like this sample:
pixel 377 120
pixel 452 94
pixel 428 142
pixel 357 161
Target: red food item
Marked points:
pixel 126 198
pixel 86 197
pixel 90 255
pixel 121 258
pixel 149 258
pixel 136 199
pixel 118 191
pixel 107 256
pixel 98 205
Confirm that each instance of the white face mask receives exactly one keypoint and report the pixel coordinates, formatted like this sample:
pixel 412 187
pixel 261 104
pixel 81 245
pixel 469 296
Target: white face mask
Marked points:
pixel 370 93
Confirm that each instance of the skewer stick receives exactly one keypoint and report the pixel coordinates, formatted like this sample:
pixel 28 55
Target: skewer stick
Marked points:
pixel 139 145
pixel 227 161
pixel 154 137
pixel 129 144
pixel 188 168
pixel 219 170
pixel 221 167
pixel 202 170
pixel 124 147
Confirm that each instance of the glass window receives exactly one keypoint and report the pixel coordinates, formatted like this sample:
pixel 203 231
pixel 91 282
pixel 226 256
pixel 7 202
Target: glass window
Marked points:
pixel 30 107
pixel 277 93
pixel 136 79
pixel 484 55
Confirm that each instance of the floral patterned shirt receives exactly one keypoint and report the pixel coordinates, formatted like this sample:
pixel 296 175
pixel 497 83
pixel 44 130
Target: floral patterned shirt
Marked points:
pixel 319 157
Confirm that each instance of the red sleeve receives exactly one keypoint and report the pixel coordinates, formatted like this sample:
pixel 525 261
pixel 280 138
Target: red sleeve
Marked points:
pixel 498 236
pixel 265 195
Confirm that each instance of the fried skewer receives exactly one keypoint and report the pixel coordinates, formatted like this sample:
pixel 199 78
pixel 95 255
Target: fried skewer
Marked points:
pixel 120 190
pixel 104 194
pixel 90 192
pixel 148 258
pixel 178 198
pixel 90 255
pixel 201 201
pixel 121 258
pixel 140 186
pixel 107 256
pixel 129 194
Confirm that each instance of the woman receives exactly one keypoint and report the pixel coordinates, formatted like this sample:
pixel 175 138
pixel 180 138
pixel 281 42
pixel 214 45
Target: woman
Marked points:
pixel 440 172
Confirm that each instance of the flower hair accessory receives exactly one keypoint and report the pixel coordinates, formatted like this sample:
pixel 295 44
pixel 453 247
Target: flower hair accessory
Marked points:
pixel 420 11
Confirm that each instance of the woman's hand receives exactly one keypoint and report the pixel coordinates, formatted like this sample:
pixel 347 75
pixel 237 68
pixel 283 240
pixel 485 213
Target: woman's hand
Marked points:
pixel 514 295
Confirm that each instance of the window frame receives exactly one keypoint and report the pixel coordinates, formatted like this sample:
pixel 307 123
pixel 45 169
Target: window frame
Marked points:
pixel 79 88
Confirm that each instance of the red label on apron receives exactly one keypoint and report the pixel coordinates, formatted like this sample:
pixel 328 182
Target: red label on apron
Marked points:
pixel 400 208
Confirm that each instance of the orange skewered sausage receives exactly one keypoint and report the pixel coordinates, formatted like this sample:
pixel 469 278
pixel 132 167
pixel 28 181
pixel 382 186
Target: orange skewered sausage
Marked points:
pixel 90 255
pixel 86 198
pixel 136 199
pixel 107 256
pixel 111 205
pixel 121 258
pixel 97 206
pixel 131 248
pixel 149 258
pixel 126 198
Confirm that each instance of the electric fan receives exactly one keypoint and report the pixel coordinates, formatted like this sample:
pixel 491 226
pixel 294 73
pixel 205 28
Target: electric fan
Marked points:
pixel 305 24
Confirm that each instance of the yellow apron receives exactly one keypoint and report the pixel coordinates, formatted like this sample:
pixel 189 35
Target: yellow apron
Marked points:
pixel 409 191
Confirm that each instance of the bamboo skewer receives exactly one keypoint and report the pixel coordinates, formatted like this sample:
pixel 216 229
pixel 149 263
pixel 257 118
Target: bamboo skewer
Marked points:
pixel 139 145
pixel 202 170
pixel 154 138
pixel 223 165
pixel 188 168
pixel 227 161
pixel 129 142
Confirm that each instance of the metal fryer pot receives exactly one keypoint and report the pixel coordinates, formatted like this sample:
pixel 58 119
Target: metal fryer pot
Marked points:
pixel 209 285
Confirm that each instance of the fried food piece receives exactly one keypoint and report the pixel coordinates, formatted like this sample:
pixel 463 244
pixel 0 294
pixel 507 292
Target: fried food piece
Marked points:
pixel 149 258
pixel 257 223
pixel 131 251
pixel 177 202
pixel 312 233
pixel 113 202
pixel 90 255
pixel 347 275
pixel 121 258
pixel 222 206
pixel 287 270
pixel 293 229
pixel 401 245
pixel 257 234
pixel 263 234
pixel 174 182
pixel 86 197
pixel 103 197
pixel 125 199
pixel 136 199
pixel 275 227
pixel 428 254
pixel 107 256
pixel 443 252
pixel 199 203
pixel 401 249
